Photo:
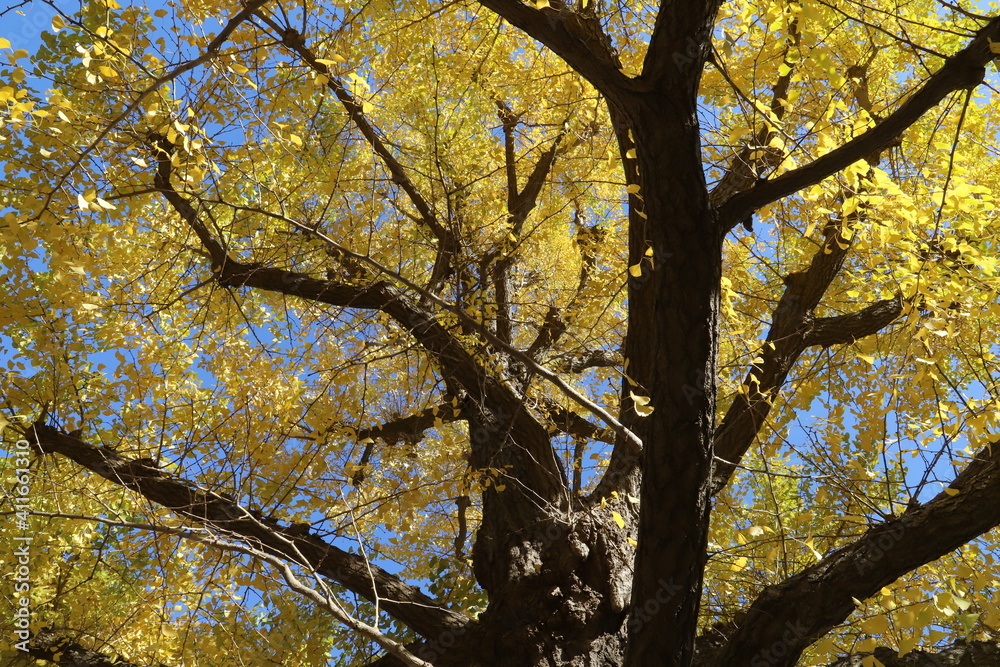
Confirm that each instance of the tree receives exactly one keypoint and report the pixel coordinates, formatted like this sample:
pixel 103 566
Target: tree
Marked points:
pixel 433 331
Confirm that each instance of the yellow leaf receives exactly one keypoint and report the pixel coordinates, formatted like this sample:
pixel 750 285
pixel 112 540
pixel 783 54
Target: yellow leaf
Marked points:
pixel 618 519
pixel 4 44
pixel 739 564
pixel 876 625
pixel 82 203
pixel 635 270
pixel 58 23
pixel 633 188
pixel 295 139
pixel 950 491
pixel 642 407
pixel 358 83
pixel 630 153
pixel 334 59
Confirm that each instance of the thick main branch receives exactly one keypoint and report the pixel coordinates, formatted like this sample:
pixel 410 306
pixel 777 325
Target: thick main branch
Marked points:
pixel 796 612
pixel 403 601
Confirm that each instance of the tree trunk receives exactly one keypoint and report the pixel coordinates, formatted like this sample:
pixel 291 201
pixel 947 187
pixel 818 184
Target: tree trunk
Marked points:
pixel 671 350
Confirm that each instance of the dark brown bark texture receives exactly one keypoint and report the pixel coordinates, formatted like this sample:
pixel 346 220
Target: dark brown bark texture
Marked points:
pixel 565 587
pixel 60 649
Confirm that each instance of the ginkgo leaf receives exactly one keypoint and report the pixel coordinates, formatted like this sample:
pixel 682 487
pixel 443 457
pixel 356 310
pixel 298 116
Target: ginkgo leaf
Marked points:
pixel 334 59
pixel 618 519
pixel 641 404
